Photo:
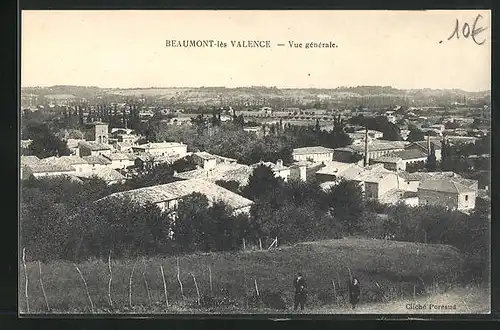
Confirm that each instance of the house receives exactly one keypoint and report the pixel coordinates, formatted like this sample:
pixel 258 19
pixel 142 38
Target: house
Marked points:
pixel 333 170
pixel 222 171
pixel 425 146
pixel 45 169
pixel 298 171
pixel 173 149
pixel 128 138
pixel 123 146
pixel 121 130
pixel 398 161
pixel 167 196
pixel 207 161
pixel 79 164
pixel 258 130
pixel 316 154
pixel 109 175
pixel 447 193
pixel 148 161
pixel 120 160
pixel 98 161
pixel 278 169
pixel 391 162
pixel 97 132
pixel 376 148
pixel 411 181
pixel 358 138
pixel 90 148
pixel 178 121
pixel 27 161
pixel 73 146
pixel 373 134
pixel 376 182
pixel 395 196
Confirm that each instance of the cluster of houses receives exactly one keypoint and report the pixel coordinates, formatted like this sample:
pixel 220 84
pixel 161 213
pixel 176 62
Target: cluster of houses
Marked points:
pixel 110 157
pixel 381 174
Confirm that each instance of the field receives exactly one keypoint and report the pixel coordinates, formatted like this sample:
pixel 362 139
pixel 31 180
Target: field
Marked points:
pixel 388 272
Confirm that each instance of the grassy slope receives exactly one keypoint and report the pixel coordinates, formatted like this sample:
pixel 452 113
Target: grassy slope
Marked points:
pixel 395 266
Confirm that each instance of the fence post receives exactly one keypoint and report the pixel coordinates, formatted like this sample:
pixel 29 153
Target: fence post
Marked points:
pixel 260 244
pixel 210 275
pixel 164 284
pixel 110 279
pixel 179 278
pixel 26 281
pixel 244 245
pixel 41 284
pixel 256 288
pixel 86 288
pixel 196 285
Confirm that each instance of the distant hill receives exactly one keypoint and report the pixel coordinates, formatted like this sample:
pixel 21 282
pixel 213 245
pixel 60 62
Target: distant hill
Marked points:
pixel 210 93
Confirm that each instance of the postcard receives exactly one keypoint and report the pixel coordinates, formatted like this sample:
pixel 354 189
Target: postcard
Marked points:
pixel 230 162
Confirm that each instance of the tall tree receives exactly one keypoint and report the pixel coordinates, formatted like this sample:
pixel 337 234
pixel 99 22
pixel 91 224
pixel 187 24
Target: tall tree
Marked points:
pixel 431 164
pixel 261 182
pixel 346 203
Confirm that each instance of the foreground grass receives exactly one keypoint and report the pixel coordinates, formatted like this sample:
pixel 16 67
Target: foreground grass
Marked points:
pixel 387 271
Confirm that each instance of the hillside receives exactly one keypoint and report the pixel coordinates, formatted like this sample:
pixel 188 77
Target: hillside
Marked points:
pixel 385 269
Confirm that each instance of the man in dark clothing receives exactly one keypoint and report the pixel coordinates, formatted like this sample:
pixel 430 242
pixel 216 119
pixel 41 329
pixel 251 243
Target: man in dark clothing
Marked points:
pixel 300 291
pixel 354 291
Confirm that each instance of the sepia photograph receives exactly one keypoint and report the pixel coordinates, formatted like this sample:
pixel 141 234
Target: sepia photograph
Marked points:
pixel 235 162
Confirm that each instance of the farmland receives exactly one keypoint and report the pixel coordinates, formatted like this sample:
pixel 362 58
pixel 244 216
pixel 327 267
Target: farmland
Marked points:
pixel 388 271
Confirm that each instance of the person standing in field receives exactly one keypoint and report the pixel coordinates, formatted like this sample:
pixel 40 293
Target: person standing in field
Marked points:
pixel 354 291
pixel 300 291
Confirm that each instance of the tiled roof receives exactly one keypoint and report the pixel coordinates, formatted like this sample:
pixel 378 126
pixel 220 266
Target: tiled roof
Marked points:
pixel 104 173
pixel 147 157
pixel 395 195
pixel 119 156
pixel 47 167
pixel 387 159
pixel 423 144
pixel 124 144
pixel 66 160
pixel 94 145
pixel 443 185
pixel 97 160
pixel 450 176
pixel 204 155
pixel 374 176
pixel 337 168
pixel 311 150
pixel 179 189
pixel 29 160
pixel 374 145
pixel 410 154
pixel 226 172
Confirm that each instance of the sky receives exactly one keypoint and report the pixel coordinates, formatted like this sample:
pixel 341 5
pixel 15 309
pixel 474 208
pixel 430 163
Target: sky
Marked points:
pixel 127 49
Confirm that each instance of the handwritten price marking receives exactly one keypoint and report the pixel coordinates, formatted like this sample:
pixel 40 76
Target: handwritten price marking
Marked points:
pixel 466 31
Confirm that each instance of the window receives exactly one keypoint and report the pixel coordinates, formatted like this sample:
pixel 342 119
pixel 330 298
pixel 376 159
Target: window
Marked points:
pixel 466 197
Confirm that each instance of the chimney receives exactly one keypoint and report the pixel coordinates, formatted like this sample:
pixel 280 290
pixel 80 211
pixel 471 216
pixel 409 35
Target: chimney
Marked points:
pixel 428 145
pixel 367 158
